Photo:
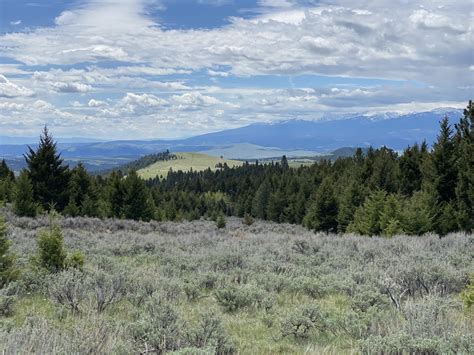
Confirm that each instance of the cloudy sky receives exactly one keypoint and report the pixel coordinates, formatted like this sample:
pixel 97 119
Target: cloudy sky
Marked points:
pixel 164 69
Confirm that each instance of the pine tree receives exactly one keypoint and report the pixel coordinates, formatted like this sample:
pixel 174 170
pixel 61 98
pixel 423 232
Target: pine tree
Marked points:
pixel 47 173
pixel 284 163
pixel 416 214
pixel 444 178
pixel 8 272
pixel 5 172
pixel 23 200
pixel 51 254
pixel 464 139
pixel 443 158
pixel 260 201
pixel 352 197
pixel 138 203
pixel 322 213
pixel 116 194
pixel 410 171
pixel 276 206
pixel 391 216
pixel 367 217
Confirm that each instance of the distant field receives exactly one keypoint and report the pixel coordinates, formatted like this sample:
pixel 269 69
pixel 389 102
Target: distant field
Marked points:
pixel 185 162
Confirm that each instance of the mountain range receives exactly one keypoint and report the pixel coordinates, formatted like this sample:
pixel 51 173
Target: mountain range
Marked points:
pixel 294 138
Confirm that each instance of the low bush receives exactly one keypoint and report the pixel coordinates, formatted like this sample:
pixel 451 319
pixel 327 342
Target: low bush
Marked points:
pixel 303 320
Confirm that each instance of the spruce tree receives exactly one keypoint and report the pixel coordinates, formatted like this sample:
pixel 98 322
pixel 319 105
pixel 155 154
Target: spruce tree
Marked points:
pixel 444 178
pixel 367 217
pixel 260 201
pixel 5 172
pixel 47 173
pixel 391 215
pixel 23 199
pixel 116 194
pixel 410 171
pixel 322 213
pixel 138 203
pixel 464 139
pixel 416 214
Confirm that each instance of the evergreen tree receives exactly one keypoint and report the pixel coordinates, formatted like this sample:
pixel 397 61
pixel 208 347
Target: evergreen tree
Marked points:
pixel 47 173
pixel 417 218
pixel 410 171
pixel 444 164
pixel 78 188
pixel 284 163
pixel 23 199
pixel 391 216
pixel 138 203
pixel 352 197
pixel 322 213
pixel 444 178
pixel 464 139
pixel 116 194
pixel 367 217
pixel 8 272
pixel 51 253
pixel 276 206
pixel 260 201
pixel 5 172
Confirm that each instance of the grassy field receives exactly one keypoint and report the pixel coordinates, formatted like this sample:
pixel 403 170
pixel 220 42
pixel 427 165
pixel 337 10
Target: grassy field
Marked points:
pixel 190 288
pixel 185 162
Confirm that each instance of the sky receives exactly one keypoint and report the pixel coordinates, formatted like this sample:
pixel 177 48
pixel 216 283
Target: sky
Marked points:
pixel 142 69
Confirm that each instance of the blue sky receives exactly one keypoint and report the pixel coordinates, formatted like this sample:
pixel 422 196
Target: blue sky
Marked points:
pixel 162 69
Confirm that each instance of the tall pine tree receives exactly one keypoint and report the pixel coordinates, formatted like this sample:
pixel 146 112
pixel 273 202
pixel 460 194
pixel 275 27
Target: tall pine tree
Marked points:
pixel 47 173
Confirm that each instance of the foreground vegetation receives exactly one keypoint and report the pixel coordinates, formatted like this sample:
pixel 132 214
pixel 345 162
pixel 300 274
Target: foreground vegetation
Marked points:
pixel 191 288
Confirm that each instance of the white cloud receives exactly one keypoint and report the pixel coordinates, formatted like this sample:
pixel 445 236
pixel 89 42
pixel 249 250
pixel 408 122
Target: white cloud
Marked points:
pixel 10 90
pixel 427 43
pixel 71 87
pixel 195 99
pixel 15 23
pixel 96 103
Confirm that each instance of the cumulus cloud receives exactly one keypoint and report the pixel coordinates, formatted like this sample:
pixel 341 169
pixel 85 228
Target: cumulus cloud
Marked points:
pixel 96 103
pixel 71 87
pixel 11 90
pixel 426 44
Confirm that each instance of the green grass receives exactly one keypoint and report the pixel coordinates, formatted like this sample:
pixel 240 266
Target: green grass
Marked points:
pixel 185 162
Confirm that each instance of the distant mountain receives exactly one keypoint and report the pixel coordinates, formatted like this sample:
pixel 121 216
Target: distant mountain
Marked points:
pixel 324 136
pixel 7 140
pixel 266 140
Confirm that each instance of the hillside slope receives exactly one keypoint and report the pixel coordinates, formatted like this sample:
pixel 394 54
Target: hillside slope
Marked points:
pixel 185 162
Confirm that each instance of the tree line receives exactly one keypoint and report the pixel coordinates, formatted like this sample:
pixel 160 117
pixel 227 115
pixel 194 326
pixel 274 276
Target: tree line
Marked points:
pixel 377 192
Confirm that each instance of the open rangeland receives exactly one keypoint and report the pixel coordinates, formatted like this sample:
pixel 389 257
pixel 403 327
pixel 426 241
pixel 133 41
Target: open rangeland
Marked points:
pixel 185 162
pixel 190 288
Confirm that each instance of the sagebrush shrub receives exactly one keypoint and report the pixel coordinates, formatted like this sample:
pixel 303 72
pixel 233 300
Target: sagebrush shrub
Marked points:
pixel 303 320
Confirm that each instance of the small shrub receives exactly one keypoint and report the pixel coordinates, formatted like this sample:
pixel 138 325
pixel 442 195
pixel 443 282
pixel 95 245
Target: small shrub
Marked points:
pixel 302 321
pixel 248 219
pixel 75 260
pixel 191 290
pixel 51 253
pixel 467 294
pixel 69 289
pixel 6 303
pixel 8 272
pixel 159 330
pixel 209 334
pixel 107 288
pixel 221 222
pixel 232 298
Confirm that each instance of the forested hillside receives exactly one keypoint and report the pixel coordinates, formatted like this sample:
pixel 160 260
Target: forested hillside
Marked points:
pixel 378 192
